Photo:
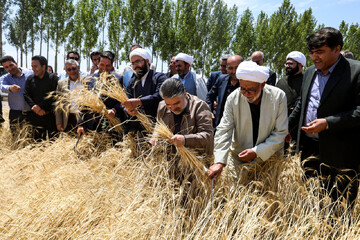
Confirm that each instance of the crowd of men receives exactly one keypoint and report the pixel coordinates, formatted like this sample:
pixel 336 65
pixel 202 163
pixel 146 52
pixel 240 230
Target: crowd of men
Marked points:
pixel 241 114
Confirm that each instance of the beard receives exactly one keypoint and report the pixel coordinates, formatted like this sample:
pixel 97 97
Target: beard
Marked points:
pixel 141 72
pixel 292 71
pixel 252 100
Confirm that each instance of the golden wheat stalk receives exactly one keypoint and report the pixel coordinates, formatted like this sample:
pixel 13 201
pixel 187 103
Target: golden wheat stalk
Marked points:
pixel 110 86
pixel 188 157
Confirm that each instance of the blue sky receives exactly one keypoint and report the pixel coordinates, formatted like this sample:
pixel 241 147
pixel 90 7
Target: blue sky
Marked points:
pixel 328 12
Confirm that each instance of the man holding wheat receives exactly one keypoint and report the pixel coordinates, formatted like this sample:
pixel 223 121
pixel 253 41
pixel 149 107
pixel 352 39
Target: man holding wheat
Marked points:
pixel 254 123
pixel 187 116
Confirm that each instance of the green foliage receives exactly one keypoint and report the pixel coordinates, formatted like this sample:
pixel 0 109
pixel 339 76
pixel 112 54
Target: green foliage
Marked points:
pixel 206 29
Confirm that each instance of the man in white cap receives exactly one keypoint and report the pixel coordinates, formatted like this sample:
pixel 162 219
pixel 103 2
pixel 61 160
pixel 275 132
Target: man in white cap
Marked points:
pixel 291 84
pixel 144 85
pixel 194 84
pixel 254 123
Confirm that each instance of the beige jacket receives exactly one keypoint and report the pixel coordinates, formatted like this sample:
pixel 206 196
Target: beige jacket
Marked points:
pixel 234 133
pixel 62 116
pixel 196 124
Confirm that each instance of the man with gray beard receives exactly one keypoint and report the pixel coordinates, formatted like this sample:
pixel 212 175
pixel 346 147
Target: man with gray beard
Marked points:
pixel 254 122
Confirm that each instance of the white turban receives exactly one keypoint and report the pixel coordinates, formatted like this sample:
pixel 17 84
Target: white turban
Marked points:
pixel 250 71
pixel 145 54
pixel 184 57
pixel 297 56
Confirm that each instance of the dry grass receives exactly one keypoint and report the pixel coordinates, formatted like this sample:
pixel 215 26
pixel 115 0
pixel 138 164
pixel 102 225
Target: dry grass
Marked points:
pixel 48 192
pixel 110 87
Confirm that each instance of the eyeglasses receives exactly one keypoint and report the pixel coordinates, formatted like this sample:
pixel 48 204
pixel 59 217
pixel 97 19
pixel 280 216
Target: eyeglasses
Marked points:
pixel 248 90
pixel 74 58
pixel 289 63
pixel 137 62
pixel 73 69
pixel 223 66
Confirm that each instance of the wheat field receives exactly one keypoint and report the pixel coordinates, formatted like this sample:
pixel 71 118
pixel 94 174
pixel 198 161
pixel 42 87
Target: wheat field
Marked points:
pixel 131 191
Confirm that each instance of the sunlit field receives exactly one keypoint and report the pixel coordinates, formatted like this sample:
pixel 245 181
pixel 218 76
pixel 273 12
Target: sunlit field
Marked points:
pixel 130 191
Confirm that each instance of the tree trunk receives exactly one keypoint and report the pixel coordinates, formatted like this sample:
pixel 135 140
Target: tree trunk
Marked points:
pixel 1 48
pixel 41 33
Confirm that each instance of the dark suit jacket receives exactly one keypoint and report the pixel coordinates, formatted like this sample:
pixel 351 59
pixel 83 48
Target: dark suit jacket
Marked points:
pixel 272 78
pixel 217 93
pixel 340 106
pixel 212 79
pixel 149 94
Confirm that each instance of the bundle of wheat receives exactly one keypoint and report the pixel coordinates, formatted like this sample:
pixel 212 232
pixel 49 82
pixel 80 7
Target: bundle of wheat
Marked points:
pixel 188 157
pixel 47 192
pixel 110 86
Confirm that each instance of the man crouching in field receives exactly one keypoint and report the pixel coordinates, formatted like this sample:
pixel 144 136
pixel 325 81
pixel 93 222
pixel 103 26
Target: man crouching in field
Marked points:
pixel 254 122
pixel 187 116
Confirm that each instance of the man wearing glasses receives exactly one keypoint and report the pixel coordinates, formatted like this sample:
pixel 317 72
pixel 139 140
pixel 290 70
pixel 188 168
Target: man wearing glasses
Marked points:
pixel 66 121
pixel 291 84
pixel 144 85
pixel 75 56
pixel 254 123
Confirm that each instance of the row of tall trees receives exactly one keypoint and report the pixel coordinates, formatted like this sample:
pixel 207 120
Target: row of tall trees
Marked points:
pixel 205 29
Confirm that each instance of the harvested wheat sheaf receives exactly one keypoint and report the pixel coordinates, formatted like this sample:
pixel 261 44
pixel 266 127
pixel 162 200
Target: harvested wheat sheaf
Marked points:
pixel 48 192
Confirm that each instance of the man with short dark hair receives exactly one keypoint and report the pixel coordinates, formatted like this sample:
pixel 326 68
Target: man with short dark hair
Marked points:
pixel 37 88
pixel 172 68
pixel 215 75
pixel 188 117
pixel 113 106
pixel 347 54
pixel 223 87
pixel 13 83
pixel 259 58
pixel 327 115
pixel 95 59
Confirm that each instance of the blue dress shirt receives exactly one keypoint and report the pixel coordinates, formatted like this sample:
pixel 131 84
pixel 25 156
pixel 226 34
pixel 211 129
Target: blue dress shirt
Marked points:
pixel 16 100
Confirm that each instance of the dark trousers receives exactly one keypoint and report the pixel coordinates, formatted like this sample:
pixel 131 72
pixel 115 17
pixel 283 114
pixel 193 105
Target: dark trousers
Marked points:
pixel 72 123
pixel 339 183
pixel 44 125
pixel 17 119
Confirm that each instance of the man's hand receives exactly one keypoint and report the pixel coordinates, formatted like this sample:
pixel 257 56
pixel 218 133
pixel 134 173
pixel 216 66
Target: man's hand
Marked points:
pixel 36 109
pixel 247 155
pixel 178 140
pixel 60 127
pixel 132 112
pixel 316 126
pixel 132 103
pixel 80 130
pixel 288 138
pixel 110 113
pixel 93 69
pixel 215 170
pixel 14 88
pixel 215 105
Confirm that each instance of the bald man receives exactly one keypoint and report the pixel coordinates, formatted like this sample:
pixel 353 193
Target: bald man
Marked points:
pixel 222 88
pixel 259 58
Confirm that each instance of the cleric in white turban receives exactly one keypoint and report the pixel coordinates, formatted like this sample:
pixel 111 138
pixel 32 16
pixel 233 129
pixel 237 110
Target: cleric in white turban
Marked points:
pixel 184 57
pixel 297 56
pixel 145 54
pixel 254 123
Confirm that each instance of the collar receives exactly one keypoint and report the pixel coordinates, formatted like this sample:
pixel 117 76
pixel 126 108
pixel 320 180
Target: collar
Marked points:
pixel 331 69
pixel 185 75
